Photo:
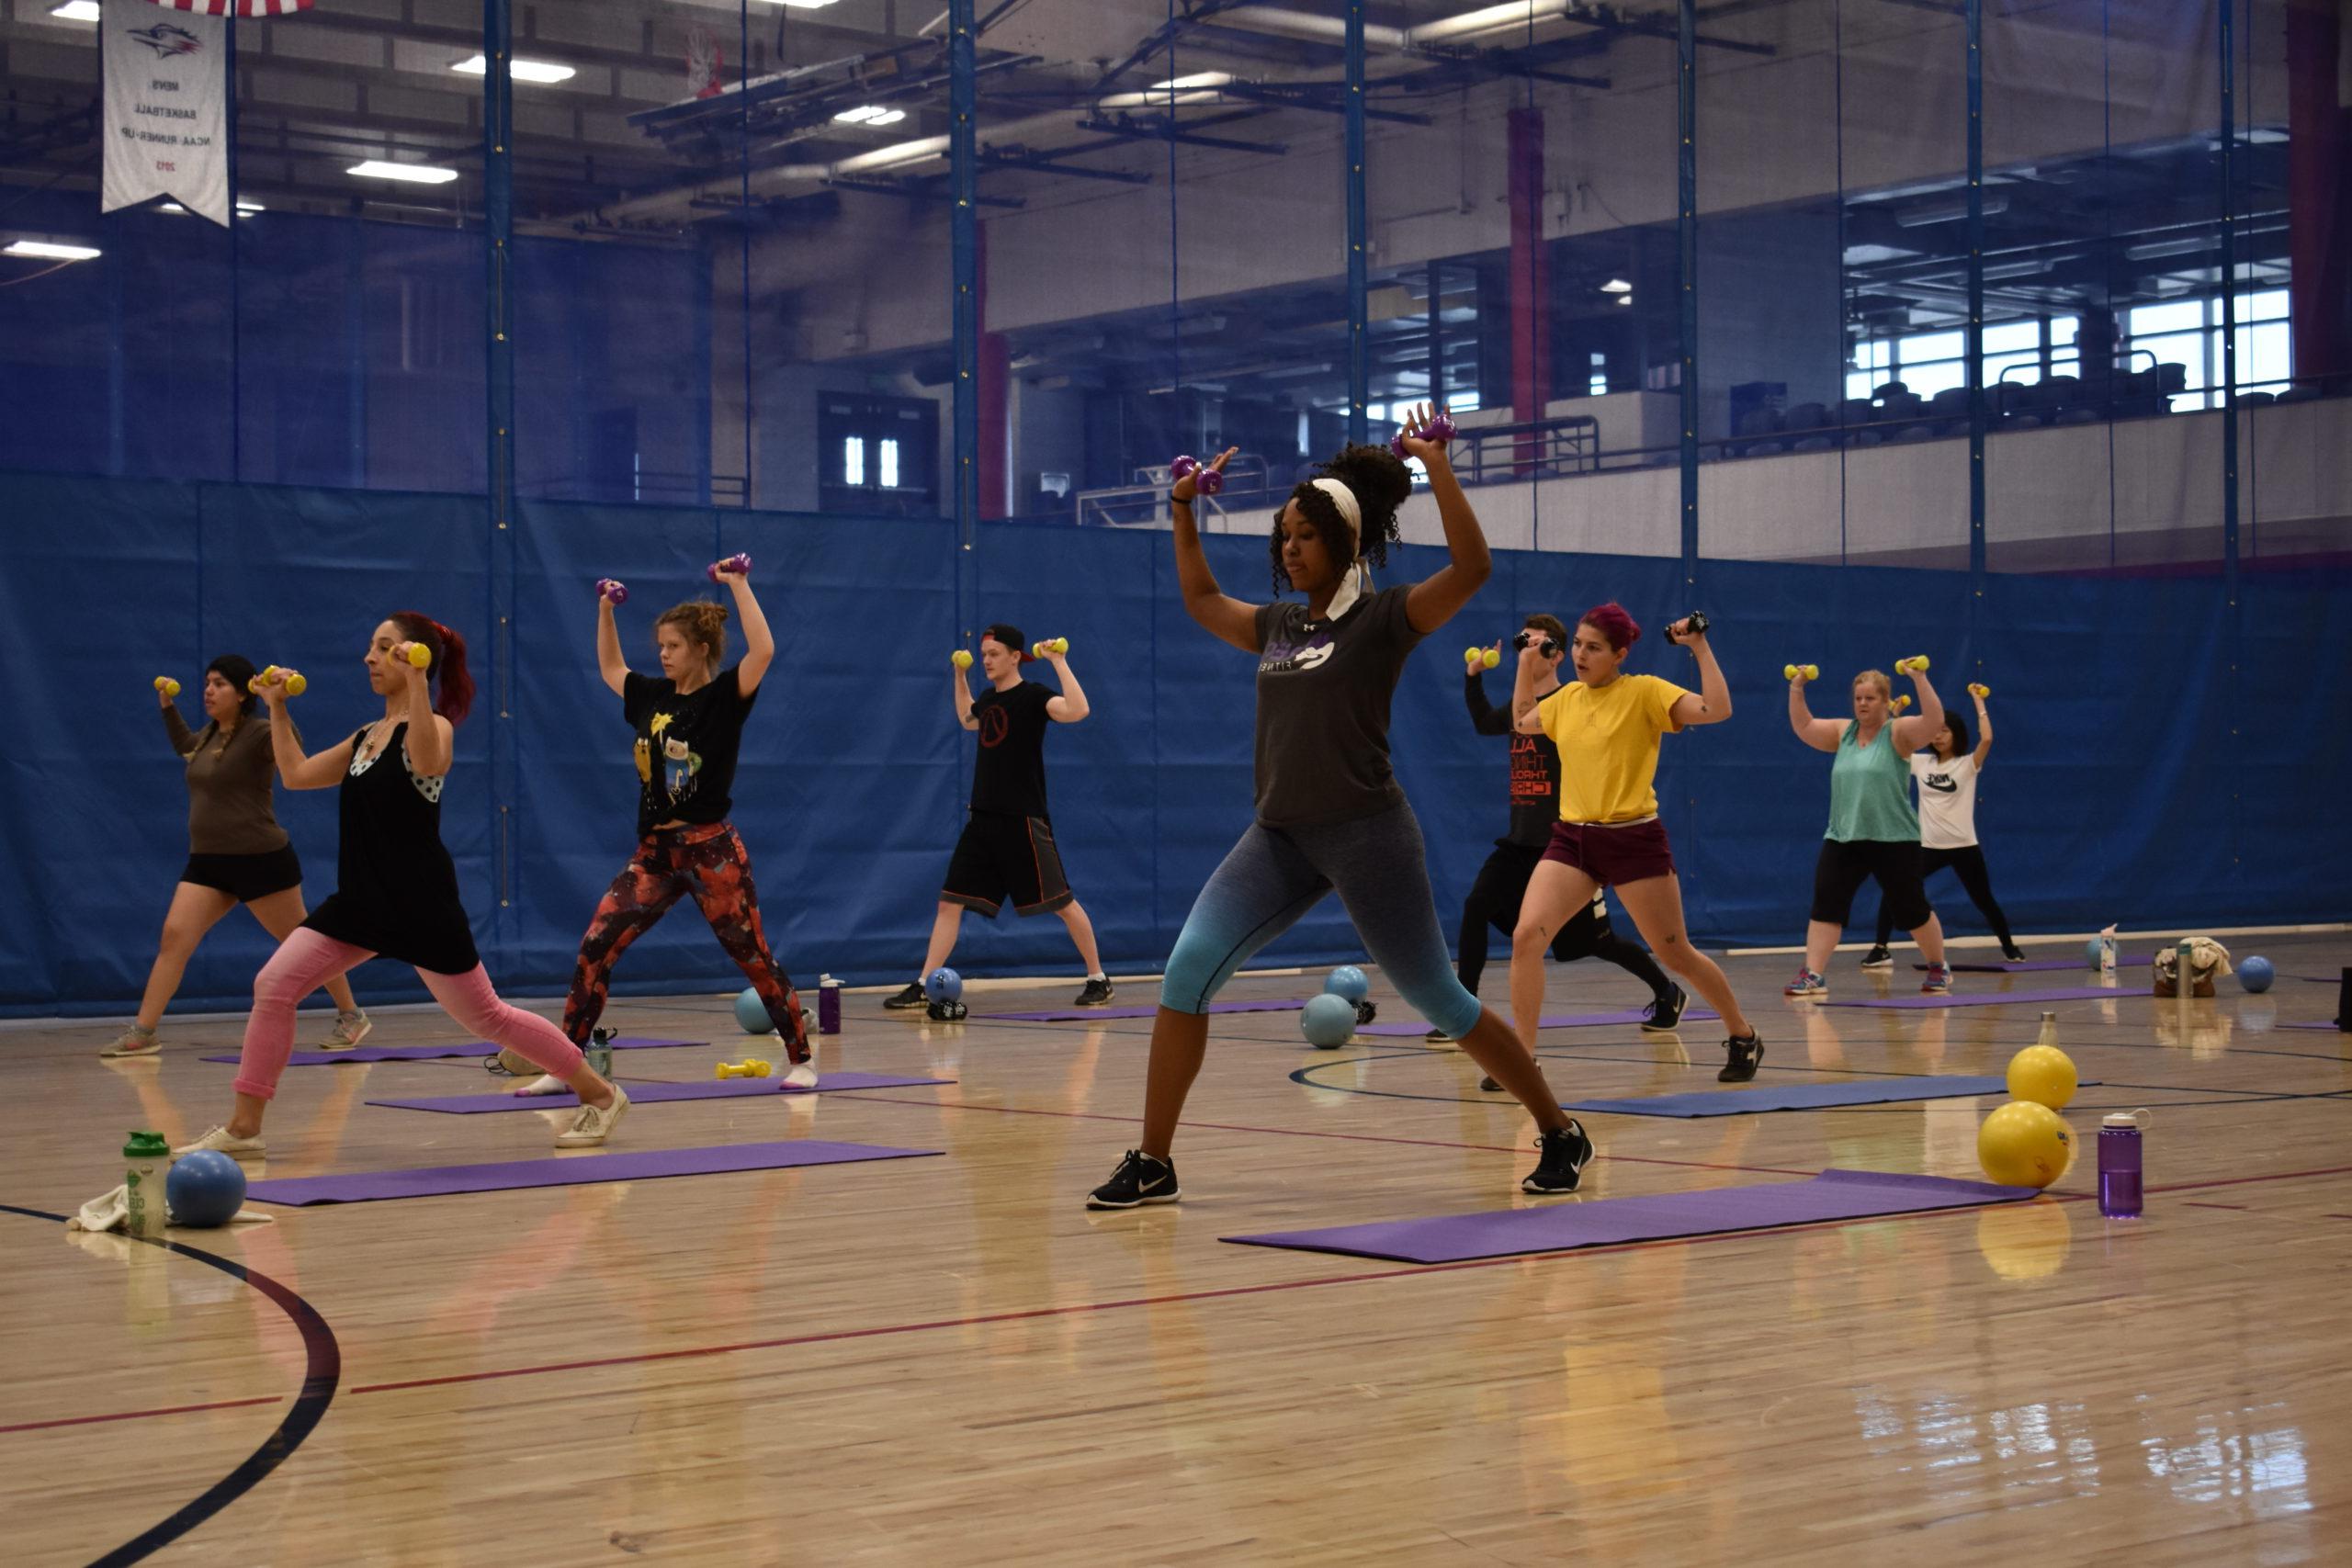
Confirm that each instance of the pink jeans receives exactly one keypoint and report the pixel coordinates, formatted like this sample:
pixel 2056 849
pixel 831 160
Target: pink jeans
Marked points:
pixel 307 960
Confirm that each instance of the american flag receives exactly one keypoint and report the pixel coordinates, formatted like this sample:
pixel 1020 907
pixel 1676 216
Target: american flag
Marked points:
pixel 236 8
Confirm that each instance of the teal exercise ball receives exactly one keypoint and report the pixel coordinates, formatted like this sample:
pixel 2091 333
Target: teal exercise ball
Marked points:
pixel 751 1013
pixel 1328 1021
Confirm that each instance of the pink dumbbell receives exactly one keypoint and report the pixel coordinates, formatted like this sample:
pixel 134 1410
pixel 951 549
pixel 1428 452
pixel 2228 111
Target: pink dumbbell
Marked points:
pixel 1207 480
pixel 740 563
pixel 612 590
pixel 1438 428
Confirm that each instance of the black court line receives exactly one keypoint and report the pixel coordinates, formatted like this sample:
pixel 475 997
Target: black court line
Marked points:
pixel 323 1369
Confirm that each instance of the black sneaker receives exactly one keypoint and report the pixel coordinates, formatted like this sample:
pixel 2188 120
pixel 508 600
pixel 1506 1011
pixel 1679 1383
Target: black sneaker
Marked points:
pixel 1098 994
pixel 2012 953
pixel 1139 1180
pixel 1878 958
pixel 1743 1054
pixel 1438 1037
pixel 1666 1013
pixel 1490 1086
pixel 912 996
pixel 1559 1164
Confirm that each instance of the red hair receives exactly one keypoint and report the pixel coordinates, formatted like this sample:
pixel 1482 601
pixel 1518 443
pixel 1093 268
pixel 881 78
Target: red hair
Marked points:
pixel 1617 628
pixel 448 667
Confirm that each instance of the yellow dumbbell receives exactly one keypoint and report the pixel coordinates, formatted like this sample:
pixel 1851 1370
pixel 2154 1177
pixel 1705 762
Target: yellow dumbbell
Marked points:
pixel 961 659
pixel 1810 672
pixel 1911 666
pixel 1491 657
pixel 419 656
pixel 749 1067
pixel 1979 689
pixel 166 685
pixel 1473 657
pixel 1901 702
pixel 1051 645
pixel 295 684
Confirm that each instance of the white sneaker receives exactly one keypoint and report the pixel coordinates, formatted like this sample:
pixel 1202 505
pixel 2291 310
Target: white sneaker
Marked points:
pixel 513 1064
pixel 802 1075
pixel 595 1124
pixel 133 1042
pixel 221 1141
pixel 350 1029
pixel 546 1083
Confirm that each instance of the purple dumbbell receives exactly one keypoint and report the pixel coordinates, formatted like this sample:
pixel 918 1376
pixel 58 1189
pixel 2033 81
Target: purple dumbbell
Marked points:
pixel 1205 481
pixel 739 563
pixel 611 589
pixel 1440 429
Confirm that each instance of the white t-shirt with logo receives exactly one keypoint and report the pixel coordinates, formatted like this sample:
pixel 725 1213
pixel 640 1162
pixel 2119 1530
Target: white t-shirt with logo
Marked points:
pixel 1947 800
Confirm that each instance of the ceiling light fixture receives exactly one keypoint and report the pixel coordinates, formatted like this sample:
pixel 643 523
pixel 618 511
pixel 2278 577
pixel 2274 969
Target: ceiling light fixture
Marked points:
pixel 414 173
pixel 77 11
pixel 520 70
pixel 51 251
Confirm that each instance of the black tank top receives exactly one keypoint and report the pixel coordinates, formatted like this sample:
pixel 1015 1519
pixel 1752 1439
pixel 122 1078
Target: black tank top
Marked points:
pixel 395 888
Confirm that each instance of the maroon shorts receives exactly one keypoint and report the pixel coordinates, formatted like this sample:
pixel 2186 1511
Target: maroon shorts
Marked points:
pixel 1612 856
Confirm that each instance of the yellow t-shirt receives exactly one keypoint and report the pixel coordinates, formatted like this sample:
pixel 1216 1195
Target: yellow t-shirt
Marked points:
pixel 1608 741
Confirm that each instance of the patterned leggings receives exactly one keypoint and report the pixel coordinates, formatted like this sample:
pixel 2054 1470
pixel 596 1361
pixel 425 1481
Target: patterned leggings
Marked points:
pixel 711 863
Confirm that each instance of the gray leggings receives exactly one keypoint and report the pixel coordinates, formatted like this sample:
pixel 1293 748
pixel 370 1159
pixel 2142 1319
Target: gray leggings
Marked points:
pixel 1379 867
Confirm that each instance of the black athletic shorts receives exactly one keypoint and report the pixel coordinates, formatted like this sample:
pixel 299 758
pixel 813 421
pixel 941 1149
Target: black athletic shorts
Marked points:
pixel 246 877
pixel 1902 885
pixel 1002 859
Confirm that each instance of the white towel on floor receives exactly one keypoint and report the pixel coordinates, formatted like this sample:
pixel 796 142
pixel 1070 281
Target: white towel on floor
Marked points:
pixel 111 1211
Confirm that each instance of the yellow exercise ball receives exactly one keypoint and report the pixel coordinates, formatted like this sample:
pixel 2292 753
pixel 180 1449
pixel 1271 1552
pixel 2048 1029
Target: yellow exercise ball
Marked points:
pixel 2044 1074
pixel 2025 1144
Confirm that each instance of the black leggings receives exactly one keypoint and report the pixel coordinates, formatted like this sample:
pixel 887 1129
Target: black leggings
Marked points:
pixel 1968 863
pixel 1494 901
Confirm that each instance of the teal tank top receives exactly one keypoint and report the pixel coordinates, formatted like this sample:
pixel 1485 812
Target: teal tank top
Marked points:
pixel 1870 794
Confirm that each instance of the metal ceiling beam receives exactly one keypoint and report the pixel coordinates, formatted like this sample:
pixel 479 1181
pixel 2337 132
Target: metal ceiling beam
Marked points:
pixel 1127 128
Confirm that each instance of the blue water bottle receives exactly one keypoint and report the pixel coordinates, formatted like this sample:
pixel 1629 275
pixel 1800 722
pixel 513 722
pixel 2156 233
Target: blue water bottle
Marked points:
pixel 2118 1165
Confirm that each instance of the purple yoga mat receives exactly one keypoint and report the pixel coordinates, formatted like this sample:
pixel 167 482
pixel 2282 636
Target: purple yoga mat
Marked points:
pixel 578 1171
pixel 433 1053
pixel 653 1093
pixel 1992 998
pixel 1075 1015
pixel 1407 1027
pixel 2039 965
pixel 1797 1096
pixel 1611 1222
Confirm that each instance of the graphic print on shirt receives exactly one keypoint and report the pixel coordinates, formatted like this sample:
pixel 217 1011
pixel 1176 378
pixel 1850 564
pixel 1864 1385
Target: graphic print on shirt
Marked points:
pixel 1942 784
pixel 1530 779
pixel 1283 656
pixel 680 762
pixel 995 724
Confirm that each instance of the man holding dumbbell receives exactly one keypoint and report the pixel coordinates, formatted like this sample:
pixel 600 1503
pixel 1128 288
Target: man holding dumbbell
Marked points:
pixel 1007 849
pixel 1495 896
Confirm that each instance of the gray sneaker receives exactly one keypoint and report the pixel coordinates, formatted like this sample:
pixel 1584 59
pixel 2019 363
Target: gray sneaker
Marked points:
pixel 350 1029
pixel 132 1042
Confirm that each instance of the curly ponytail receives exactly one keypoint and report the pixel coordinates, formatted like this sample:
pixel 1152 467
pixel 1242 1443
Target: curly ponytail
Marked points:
pixel 703 624
pixel 455 698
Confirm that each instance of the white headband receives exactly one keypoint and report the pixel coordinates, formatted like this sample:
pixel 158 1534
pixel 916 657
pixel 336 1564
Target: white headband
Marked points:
pixel 1358 578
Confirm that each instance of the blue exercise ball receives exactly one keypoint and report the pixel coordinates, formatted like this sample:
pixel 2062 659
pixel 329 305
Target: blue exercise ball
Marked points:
pixel 2092 951
pixel 2255 974
pixel 1347 981
pixel 944 985
pixel 205 1190
pixel 751 1013
pixel 1328 1021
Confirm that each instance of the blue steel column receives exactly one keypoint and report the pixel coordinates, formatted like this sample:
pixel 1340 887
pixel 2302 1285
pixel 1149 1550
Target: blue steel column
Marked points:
pixel 964 237
pixel 2235 625
pixel 1359 281
pixel 498 211
pixel 1686 228
pixel 1974 338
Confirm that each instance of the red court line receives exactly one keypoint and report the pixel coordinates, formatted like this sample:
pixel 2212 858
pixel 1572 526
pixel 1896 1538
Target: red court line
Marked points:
pixel 142 1415
pixel 1183 1296
pixel 1304 1133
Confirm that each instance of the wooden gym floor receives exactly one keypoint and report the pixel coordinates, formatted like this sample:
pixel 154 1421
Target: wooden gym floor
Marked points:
pixel 949 1360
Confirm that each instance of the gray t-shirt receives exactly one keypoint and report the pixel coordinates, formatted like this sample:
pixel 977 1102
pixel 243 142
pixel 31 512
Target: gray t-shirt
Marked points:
pixel 1323 693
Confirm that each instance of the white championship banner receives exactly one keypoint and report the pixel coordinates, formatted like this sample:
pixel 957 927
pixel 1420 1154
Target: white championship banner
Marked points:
pixel 166 129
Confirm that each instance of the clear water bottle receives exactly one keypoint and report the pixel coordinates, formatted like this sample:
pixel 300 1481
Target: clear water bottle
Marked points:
pixel 2049 1035
pixel 829 1005
pixel 2118 1165
pixel 147 1159
pixel 599 1053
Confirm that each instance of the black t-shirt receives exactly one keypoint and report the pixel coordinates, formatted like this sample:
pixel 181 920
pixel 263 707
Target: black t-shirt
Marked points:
pixel 1323 697
pixel 1010 776
pixel 686 745
pixel 1534 771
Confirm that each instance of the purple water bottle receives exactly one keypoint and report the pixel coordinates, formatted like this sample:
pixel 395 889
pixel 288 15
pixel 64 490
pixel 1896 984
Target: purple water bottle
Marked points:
pixel 829 1005
pixel 2118 1166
